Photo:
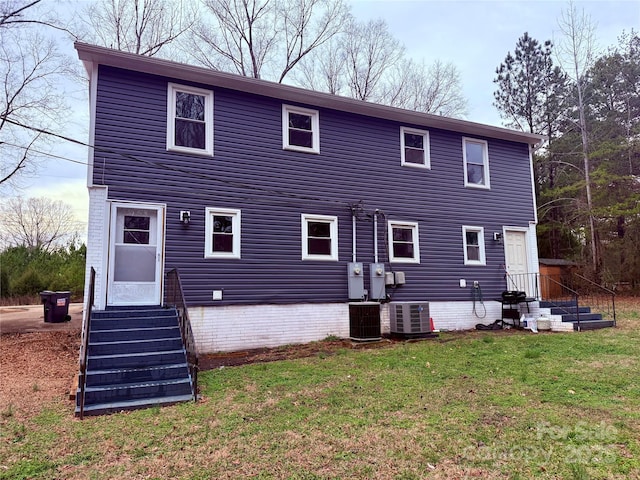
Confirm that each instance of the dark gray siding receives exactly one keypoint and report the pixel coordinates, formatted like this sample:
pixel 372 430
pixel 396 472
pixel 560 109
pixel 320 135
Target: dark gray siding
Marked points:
pixel 359 162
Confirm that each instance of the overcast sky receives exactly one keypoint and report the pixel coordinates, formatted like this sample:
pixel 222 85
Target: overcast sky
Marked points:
pixel 473 35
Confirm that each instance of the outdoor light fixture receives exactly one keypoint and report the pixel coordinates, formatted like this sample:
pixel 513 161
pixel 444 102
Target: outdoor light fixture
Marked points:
pixel 185 216
pixel 497 236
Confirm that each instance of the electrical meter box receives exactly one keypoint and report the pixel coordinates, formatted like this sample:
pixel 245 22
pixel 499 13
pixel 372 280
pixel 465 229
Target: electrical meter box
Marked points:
pixel 355 281
pixel 377 281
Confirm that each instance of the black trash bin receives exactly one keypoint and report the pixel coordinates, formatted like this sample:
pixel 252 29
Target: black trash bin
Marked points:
pixel 56 306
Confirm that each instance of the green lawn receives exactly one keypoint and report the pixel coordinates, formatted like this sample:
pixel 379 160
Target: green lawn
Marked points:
pixel 475 405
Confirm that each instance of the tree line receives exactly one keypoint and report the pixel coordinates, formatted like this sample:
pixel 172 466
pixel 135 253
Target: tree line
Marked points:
pixel 587 173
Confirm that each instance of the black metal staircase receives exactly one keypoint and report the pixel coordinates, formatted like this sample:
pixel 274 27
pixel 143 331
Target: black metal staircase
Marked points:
pixel 135 358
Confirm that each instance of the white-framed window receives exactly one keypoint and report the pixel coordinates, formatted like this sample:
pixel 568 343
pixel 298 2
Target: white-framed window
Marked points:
pixel 189 119
pixel 403 242
pixel 319 237
pixel 476 163
pixel 222 233
pixel 414 146
pixel 300 129
pixel 473 243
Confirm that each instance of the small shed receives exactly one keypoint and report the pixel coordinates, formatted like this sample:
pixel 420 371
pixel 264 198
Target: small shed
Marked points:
pixel 554 272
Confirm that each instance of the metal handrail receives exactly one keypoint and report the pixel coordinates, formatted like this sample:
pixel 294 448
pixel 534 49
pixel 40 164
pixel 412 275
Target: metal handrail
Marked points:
pixel 84 345
pixel 175 298
pixel 606 291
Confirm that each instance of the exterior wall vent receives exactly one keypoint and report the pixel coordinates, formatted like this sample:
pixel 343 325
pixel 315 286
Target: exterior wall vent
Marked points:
pixel 364 321
pixel 410 319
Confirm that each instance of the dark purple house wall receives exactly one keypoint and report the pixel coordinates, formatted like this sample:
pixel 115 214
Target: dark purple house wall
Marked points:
pixel 359 160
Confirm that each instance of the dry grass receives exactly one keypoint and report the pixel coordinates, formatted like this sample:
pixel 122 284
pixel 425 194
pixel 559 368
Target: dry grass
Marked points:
pixel 497 405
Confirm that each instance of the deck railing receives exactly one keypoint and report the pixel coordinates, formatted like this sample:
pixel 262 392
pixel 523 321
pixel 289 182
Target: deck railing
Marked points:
pixel 84 343
pixel 174 296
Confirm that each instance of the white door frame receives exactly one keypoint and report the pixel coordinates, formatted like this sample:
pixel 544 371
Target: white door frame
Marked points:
pixel 529 282
pixel 133 292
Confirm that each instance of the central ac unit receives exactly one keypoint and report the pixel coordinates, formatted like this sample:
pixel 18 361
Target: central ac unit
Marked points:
pixel 410 319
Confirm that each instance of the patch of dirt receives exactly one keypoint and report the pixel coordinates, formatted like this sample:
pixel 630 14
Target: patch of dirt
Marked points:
pixel 36 368
pixel 287 352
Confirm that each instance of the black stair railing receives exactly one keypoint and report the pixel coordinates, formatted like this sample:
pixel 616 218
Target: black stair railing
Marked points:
pixel 174 297
pixel 601 299
pixel 84 344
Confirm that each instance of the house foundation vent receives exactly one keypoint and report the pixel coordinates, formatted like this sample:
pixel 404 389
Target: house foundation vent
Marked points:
pixel 410 319
pixel 364 321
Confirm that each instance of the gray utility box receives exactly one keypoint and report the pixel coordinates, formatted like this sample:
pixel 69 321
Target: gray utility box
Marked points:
pixel 355 281
pixel 410 319
pixel 377 289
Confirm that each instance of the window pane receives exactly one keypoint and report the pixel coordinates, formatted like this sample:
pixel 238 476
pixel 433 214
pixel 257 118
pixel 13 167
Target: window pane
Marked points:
pixel 319 246
pixel 137 237
pixel 415 141
pixel 136 223
pixel 222 243
pixel 414 156
pixel 222 224
pixel 402 234
pixel 301 138
pixel 403 250
pixel 190 134
pixel 475 174
pixel 473 253
pixel 472 238
pixel 475 152
pixel 319 229
pixel 300 121
pixel 190 106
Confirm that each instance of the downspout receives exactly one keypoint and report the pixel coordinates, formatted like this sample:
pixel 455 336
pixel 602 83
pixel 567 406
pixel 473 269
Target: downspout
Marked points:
pixel 353 230
pixel 375 236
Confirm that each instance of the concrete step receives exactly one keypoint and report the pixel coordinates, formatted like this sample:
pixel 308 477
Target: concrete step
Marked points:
pixel 123 323
pixel 135 360
pixel 583 317
pixel 593 325
pixel 571 309
pixel 124 334
pixel 133 375
pixel 137 391
pixel 127 347
pixel 112 407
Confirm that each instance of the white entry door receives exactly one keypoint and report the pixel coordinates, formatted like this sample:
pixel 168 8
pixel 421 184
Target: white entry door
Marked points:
pixel 516 263
pixel 135 255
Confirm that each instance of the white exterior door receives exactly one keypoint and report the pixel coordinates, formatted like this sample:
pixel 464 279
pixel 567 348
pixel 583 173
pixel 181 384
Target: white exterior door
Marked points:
pixel 135 254
pixel 517 265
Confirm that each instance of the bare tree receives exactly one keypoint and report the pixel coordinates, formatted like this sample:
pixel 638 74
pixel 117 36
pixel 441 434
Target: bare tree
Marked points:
pixel 576 52
pixel 263 38
pixel 137 26
pixel 371 50
pixel 435 88
pixel 30 68
pixel 366 62
pixel 36 223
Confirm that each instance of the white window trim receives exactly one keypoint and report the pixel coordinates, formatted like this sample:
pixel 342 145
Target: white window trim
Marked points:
pixel 426 165
pixel 416 241
pixel 333 222
pixel 171 116
pixel 480 232
pixel 236 226
pixel 485 158
pixel 315 128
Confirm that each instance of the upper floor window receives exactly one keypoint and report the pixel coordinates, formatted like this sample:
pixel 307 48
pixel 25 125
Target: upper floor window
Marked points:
pixel 414 145
pixel 473 242
pixel 403 242
pixel 222 230
pixel 300 129
pixel 319 237
pixel 476 163
pixel 189 119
